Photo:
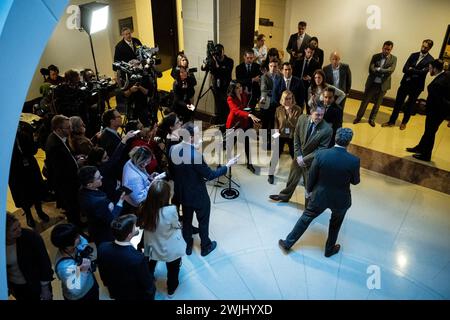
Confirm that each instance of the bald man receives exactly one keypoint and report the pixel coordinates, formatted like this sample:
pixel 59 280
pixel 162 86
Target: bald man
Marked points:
pixel 338 74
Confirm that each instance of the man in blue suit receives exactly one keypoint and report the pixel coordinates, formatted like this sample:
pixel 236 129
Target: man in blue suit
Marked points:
pixel 330 176
pixel 123 269
pixel 190 173
pixel 292 83
pixel 412 84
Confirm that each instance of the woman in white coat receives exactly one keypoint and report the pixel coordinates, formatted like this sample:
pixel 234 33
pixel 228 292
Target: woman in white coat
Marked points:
pixel 163 240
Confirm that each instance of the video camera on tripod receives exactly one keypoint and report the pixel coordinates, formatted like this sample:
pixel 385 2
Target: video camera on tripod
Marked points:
pixel 212 54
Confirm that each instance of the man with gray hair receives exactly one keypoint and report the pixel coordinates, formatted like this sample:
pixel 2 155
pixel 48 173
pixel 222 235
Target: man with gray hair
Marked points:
pixel 330 176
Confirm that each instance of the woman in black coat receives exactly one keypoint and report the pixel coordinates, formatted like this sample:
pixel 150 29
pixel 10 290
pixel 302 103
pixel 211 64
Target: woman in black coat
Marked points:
pixel 28 264
pixel 25 180
pixel 184 90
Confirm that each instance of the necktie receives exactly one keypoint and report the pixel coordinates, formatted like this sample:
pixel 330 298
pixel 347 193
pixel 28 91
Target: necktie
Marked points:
pixel 248 68
pixel 310 129
pixel 421 56
pixel 287 83
pixel 305 64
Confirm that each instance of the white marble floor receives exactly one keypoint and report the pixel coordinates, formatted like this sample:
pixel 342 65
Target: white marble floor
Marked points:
pixel 400 229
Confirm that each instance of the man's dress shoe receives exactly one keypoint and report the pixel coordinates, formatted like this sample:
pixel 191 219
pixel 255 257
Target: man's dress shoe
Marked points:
pixel 335 250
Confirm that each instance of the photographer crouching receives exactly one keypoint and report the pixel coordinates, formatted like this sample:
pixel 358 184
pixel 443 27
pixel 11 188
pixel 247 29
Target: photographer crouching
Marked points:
pixel 74 264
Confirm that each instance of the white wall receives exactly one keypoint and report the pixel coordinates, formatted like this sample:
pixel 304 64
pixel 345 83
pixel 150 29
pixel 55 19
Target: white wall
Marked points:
pixel 70 49
pixel 230 28
pixel 198 29
pixel 275 11
pixel 341 25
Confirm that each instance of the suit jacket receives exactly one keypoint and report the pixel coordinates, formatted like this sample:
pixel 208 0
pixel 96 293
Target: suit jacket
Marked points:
pixel 319 139
pixel 330 176
pixel 318 56
pixel 95 205
pixel 190 173
pixel 385 72
pixel 123 51
pixel 125 272
pixel 292 44
pixel 245 78
pixel 345 77
pixel 268 84
pixel 62 169
pixel 282 121
pixel 108 141
pixel 309 70
pixel 297 88
pixel 33 259
pixel 415 77
pixel 438 99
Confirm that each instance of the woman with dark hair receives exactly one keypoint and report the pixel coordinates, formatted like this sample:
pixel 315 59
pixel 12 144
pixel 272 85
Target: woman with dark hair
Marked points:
pixel 318 53
pixel 238 117
pixel 72 267
pixel 184 90
pixel 29 270
pixel 163 240
pixel 315 90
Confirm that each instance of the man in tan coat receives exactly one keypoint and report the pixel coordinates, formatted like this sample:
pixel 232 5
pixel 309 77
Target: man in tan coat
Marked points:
pixel 311 134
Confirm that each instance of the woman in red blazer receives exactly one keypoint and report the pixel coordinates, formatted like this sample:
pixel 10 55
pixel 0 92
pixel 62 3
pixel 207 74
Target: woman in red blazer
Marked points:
pixel 238 118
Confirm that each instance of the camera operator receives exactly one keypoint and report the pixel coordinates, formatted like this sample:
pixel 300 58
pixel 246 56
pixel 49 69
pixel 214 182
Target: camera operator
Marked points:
pixel 184 90
pixel 220 67
pixel 51 75
pixel 137 95
pixel 126 48
pixel 71 100
pixel 73 264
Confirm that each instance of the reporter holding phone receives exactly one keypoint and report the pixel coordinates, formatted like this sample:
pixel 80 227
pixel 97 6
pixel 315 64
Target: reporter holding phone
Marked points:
pixel 136 178
pixel 96 206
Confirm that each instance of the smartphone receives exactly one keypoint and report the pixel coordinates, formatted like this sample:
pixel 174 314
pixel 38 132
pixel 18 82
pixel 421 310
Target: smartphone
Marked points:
pixel 276 135
pixel 136 131
pixel 160 176
pixel 125 189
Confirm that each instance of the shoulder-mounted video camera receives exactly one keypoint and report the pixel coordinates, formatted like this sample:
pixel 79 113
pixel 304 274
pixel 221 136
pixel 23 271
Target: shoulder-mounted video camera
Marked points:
pixel 86 253
pixel 213 53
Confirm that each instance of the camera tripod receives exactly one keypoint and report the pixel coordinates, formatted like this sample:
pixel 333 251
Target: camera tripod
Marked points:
pixel 200 94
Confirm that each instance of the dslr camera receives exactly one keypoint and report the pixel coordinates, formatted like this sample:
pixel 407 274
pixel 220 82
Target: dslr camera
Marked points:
pixel 86 253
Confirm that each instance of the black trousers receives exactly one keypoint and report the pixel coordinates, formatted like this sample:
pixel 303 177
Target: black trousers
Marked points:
pixel 268 122
pixel 403 92
pixel 221 108
pixel 310 213
pixel 25 292
pixel 426 144
pixel 173 270
pixel 202 214
pixel 372 93
pixel 281 143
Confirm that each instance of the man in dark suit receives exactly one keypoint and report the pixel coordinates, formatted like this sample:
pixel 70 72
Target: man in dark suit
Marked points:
pixel 412 84
pixel 381 67
pixel 438 109
pixel 298 42
pixel 123 269
pixel 304 69
pixel 109 138
pixel 248 74
pixel 62 168
pixel 330 176
pixel 190 173
pixel 291 83
pixel 126 48
pixel 311 134
pixel 338 74
pixel 333 113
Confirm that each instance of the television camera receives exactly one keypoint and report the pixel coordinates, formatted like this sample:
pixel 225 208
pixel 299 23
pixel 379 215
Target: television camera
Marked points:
pixel 212 54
